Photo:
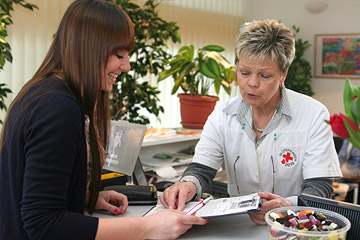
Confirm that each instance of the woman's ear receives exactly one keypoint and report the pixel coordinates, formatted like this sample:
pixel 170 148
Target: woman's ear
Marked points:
pixel 283 77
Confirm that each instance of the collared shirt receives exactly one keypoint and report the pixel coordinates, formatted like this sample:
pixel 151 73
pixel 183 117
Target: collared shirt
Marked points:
pixel 297 144
pixel 243 111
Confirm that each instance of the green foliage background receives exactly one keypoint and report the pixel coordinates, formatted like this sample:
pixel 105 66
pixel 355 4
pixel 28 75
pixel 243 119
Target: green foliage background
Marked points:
pixel 5 49
pixel 151 36
pixel 299 75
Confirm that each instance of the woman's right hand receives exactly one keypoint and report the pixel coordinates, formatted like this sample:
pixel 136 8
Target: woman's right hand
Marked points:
pixel 170 224
pixel 175 196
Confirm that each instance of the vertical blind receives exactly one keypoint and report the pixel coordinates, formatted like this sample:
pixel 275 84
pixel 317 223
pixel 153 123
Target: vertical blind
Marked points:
pixel 201 22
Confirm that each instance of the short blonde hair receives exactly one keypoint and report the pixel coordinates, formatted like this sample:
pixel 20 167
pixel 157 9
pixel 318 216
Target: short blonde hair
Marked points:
pixel 266 40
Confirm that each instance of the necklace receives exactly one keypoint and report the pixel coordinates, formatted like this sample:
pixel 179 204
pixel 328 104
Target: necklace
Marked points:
pixel 262 129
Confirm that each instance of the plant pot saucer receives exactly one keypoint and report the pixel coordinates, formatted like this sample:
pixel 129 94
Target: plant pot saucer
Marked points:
pixel 192 125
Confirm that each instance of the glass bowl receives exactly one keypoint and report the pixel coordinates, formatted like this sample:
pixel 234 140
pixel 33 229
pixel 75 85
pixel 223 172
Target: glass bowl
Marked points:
pixel 281 232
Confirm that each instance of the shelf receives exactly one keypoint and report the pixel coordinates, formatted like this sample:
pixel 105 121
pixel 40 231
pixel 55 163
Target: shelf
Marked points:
pixel 155 140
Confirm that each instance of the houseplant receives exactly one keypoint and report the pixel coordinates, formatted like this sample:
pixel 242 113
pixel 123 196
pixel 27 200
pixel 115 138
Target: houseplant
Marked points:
pixel 299 74
pixel 132 92
pixel 194 74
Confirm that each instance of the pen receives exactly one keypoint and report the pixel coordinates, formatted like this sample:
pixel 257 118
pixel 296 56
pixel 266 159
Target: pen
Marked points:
pixel 198 206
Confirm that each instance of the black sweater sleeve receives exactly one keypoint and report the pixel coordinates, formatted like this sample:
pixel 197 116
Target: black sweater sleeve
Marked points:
pixel 321 187
pixel 54 184
pixel 203 173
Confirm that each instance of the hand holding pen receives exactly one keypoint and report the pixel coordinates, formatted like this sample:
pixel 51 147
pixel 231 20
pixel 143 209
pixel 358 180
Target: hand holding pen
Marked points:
pixel 198 206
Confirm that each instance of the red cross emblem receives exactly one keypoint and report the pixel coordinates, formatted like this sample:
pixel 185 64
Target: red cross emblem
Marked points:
pixel 286 158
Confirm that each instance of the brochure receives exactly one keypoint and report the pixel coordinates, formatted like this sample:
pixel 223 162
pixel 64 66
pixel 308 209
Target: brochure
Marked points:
pixel 221 206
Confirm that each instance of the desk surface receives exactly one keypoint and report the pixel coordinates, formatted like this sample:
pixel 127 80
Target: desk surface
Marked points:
pixel 229 227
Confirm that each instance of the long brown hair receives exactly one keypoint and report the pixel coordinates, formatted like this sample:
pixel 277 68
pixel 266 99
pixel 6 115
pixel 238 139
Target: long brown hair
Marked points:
pixel 89 32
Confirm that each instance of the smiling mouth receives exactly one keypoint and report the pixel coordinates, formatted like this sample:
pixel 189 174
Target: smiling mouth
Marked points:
pixel 113 75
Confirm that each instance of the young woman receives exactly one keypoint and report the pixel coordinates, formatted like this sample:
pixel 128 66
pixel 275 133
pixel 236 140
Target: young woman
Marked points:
pixel 55 133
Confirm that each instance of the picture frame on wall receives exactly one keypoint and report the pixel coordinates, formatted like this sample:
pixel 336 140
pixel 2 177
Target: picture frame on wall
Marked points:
pixel 337 56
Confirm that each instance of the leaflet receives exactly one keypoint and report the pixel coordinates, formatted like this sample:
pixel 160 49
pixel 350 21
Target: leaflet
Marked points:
pixel 221 206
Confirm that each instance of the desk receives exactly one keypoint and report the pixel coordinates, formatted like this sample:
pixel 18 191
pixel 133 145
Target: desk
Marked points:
pixel 230 227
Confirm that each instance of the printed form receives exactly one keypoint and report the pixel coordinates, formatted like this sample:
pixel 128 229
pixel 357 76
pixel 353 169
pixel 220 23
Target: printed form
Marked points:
pixel 221 206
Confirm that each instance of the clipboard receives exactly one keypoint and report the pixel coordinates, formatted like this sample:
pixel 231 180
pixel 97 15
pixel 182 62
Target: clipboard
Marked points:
pixel 221 206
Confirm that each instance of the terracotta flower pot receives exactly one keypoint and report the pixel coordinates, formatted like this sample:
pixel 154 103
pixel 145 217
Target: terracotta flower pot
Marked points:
pixel 195 110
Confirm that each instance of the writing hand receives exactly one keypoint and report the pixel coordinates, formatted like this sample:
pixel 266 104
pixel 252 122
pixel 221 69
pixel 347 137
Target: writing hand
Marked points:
pixel 175 196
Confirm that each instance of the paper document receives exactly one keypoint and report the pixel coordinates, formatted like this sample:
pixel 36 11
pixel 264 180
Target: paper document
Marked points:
pixel 221 206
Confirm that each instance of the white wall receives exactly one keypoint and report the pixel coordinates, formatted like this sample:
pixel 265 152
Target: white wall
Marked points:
pixel 339 17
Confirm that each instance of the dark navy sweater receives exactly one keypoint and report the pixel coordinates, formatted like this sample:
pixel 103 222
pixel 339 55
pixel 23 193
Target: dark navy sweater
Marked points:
pixel 43 167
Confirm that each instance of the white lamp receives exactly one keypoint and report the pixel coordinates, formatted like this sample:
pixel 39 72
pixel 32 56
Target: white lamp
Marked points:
pixel 316 6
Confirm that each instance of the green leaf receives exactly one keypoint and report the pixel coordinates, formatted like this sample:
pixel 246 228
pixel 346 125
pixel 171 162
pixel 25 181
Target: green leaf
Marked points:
pixel 217 86
pixel 230 75
pixel 186 69
pixel 177 84
pixel 354 108
pixel 226 86
pixel 167 73
pixel 183 50
pixel 215 48
pixel 204 69
pixel 354 136
pixel 177 59
pixel 348 96
pixel 210 68
pixel 186 52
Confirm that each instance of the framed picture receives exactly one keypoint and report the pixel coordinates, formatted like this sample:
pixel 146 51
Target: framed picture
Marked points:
pixel 337 56
pixel 125 141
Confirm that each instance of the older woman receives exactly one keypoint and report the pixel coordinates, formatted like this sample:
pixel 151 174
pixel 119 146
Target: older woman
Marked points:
pixel 271 140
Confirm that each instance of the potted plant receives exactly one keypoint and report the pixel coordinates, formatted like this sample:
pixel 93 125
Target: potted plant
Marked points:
pixel 299 74
pixel 195 74
pixel 152 33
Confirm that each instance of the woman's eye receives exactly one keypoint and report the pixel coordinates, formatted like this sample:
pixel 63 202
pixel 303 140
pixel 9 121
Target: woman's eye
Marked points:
pixel 244 73
pixel 119 56
pixel 265 76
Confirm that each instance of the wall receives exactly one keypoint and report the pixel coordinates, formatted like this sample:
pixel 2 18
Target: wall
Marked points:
pixel 339 17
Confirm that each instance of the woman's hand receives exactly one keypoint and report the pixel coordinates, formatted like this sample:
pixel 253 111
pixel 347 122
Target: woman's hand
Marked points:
pixel 170 224
pixel 273 201
pixel 114 202
pixel 175 196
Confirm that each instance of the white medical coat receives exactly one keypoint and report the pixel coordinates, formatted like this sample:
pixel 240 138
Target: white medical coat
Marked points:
pixel 299 147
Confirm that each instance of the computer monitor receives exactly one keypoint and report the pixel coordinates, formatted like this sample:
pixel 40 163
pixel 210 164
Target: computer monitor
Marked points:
pixel 139 176
pixel 348 210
